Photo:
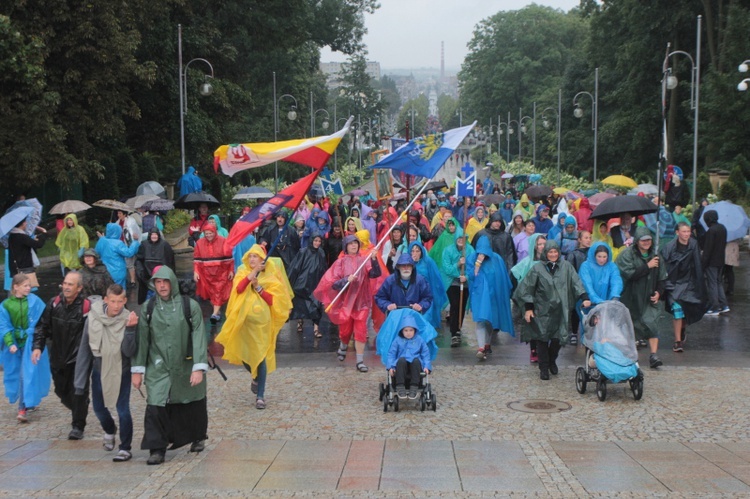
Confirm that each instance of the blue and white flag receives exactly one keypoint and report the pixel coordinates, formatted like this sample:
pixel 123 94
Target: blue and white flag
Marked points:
pixel 424 156
pixel 332 186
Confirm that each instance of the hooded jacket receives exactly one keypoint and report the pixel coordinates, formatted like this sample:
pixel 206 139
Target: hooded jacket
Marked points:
pixel 428 269
pixel 490 288
pixel 639 284
pixel 71 241
pixel 582 215
pixel 551 295
pixel 96 280
pixel 162 347
pixel 190 182
pixel 500 240
pixel 714 242
pixel 528 210
pixel 602 282
pixel 151 255
pixel 542 226
pixel 113 252
pixel 305 273
pixel 409 349
pixel 393 291
pixel 685 283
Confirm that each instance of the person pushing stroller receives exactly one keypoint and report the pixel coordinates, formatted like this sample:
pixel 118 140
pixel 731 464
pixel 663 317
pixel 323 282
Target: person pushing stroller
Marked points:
pixel 409 356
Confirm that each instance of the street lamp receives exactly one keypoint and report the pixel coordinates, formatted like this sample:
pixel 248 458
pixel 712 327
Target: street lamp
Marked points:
pixel 547 124
pixel 522 120
pixel 695 80
pixel 291 115
pixel 323 125
pixel 336 151
pixel 578 112
pixel 205 90
pixel 507 134
pixel 742 86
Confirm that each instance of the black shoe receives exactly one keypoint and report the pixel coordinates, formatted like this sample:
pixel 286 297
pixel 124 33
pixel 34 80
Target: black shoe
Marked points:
pixel 401 391
pixel 544 374
pixel 553 368
pixel 198 446
pixel 455 341
pixel 75 434
pixel 412 393
pixel 156 457
pixel 654 361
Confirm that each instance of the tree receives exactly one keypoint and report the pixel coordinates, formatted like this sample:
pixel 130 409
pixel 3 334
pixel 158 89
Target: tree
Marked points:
pixel 704 187
pixel 738 179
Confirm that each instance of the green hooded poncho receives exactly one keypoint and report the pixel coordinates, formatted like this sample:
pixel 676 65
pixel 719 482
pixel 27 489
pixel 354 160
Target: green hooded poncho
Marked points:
pixel 445 240
pixel 640 282
pixel 162 347
pixel 71 241
pixel 553 296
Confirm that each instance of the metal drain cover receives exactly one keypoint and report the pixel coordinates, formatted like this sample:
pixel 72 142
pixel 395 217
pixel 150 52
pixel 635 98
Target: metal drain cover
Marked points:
pixel 539 406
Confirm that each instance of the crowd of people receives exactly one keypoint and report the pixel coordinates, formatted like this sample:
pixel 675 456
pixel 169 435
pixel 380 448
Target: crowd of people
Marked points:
pixel 542 262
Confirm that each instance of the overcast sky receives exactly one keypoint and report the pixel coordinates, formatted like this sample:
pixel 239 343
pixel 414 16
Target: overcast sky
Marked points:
pixel 407 33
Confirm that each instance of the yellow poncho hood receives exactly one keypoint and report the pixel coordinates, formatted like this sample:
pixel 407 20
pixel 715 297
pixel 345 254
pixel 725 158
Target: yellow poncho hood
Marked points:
pixel 70 241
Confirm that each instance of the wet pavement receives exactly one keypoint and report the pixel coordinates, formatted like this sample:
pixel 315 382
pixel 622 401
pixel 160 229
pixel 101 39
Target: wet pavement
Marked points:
pixel 324 432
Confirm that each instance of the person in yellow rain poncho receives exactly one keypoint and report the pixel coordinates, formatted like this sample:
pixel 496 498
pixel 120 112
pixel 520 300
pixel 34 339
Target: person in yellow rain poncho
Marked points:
pixel 259 305
pixel 526 206
pixel 72 241
pixel 477 222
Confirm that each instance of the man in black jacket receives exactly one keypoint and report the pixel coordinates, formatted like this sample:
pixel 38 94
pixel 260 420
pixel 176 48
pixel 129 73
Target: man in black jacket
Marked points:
pixel 500 241
pixel 62 324
pixel 714 245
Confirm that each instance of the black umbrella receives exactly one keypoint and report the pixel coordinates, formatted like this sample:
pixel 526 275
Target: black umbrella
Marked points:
pixel 434 186
pixel 158 205
pixel 537 192
pixel 194 199
pixel 616 206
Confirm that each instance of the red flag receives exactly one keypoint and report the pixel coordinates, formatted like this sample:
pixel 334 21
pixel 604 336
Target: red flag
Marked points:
pixel 290 198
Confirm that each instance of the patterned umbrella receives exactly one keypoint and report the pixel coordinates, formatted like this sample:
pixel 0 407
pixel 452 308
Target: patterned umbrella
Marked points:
pixel 69 206
pixel 158 205
pixel 138 201
pixel 111 204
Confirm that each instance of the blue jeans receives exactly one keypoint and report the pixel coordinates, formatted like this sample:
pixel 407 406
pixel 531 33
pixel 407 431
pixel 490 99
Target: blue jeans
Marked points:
pixel 260 378
pixel 123 408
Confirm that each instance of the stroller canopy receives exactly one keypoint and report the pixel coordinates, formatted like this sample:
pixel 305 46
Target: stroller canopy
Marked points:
pixel 395 322
pixel 608 329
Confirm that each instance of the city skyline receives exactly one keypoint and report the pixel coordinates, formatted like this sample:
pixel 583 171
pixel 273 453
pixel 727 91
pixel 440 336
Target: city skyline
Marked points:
pixel 399 37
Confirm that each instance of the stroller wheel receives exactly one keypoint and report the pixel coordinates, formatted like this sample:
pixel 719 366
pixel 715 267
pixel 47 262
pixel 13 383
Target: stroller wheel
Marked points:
pixel 422 403
pixel 601 388
pixel 382 391
pixel 434 402
pixel 581 380
pixel 636 385
pixel 385 404
pixel 395 404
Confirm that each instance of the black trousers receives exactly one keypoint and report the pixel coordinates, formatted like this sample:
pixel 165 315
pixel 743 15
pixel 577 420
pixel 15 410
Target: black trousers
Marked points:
pixel 547 352
pixel 64 389
pixel 410 371
pixel 457 312
pixel 176 424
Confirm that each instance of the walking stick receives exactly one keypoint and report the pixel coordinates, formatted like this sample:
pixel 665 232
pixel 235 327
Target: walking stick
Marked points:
pixel 462 273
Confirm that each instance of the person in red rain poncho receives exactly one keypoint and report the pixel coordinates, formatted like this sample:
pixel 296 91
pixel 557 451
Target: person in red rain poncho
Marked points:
pixel 213 269
pixel 351 310
pixel 582 215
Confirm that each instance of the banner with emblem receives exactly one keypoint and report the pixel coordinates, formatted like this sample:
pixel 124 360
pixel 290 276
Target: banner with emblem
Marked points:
pixel 332 187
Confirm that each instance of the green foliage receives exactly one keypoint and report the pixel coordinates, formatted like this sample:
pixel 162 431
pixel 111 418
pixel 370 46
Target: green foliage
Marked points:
pixel 549 175
pixel 704 187
pixel 737 178
pixel 729 191
pixel 347 173
pixel 176 219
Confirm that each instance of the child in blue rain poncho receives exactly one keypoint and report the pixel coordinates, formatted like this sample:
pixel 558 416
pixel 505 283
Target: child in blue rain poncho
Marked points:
pixel 406 345
pixel 489 288
pixel 555 233
pixel 569 236
pixel 600 276
pixel 427 268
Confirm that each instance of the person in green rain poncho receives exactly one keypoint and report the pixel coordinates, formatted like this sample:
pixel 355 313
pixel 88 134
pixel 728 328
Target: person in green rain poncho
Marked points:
pixel 448 237
pixel 644 281
pixel 72 241
pixel 220 231
pixel 547 295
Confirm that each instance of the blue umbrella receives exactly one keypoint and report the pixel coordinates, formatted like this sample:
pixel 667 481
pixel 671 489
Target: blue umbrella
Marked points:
pixel 667 224
pixel 731 216
pixel 12 218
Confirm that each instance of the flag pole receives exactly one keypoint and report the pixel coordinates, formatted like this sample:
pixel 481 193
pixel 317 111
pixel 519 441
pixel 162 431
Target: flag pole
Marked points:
pixel 377 246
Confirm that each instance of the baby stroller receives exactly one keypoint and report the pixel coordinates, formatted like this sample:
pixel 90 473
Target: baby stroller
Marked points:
pixel 425 395
pixel 611 355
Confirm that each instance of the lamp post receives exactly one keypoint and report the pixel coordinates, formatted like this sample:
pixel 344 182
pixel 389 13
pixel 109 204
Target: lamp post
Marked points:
pixel 511 131
pixel 414 114
pixel 742 68
pixel 460 114
pixel 335 153
pixel 292 115
pixel 205 89
pixel 578 112
pixel 323 125
pixel 546 124
pixel 507 134
pixel 695 80
pixel 522 120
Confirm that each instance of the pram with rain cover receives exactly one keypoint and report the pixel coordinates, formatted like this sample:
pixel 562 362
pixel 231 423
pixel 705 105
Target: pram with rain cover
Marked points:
pixel 611 354
pixel 388 333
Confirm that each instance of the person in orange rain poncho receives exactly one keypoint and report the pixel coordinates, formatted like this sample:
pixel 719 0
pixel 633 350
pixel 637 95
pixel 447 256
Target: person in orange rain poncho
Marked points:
pixel 351 310
pixel 213 269
pixel 259 306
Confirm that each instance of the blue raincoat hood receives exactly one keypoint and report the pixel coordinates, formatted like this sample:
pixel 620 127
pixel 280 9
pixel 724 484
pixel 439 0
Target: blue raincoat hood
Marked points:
pixel 114 231
pixel 407 321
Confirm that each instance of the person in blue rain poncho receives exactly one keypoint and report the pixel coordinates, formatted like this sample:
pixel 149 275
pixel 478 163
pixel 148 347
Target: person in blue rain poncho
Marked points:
pixel 427 268
pixel 600 275
pixel 404 354
pixel 190 182
pixel 24 381
pixel 555 233
pixel 112 252
pixel 569 237
pixel 317 225
pixel 489 287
